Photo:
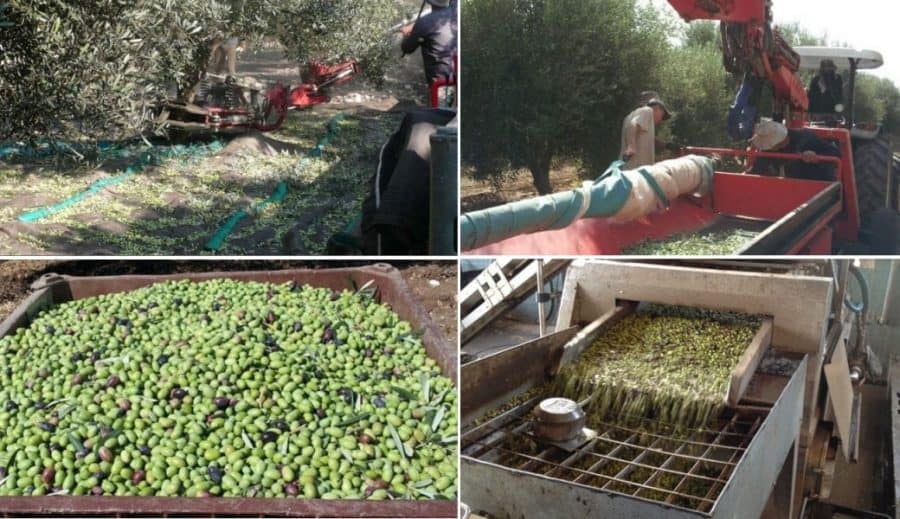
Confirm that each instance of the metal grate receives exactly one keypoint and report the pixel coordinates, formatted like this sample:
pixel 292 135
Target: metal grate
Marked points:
pixel 687 469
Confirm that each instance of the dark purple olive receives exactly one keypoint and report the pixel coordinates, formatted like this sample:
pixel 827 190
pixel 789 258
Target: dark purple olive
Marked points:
pixel 56 447
pixel 113 381
pixel 3 472
pixel 96 355
pixel 297 326
pixel 281 425
pixel 269 436
pixel 11 406
pixel 100 475
pixel 177 393
pixel 362 377
pixel 215 474
pixel 137 477
pixel 105 454
pixel 40 404
pixel 162 359
pixel 320 413
pixel 216 306
pixel 48 475
pixel 222 402
pixel 378 402
pixel 270 317
pixel 143 449
pixel 178 301
pixel 291 489
pixel 328 335
pixel 105 432
pixel 81 453
pixel 77 356
pixel 49 329
pixel 47 427
pixel 346 394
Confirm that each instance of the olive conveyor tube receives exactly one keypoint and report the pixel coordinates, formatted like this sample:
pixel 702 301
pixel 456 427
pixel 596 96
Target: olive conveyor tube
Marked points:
pixel 617 194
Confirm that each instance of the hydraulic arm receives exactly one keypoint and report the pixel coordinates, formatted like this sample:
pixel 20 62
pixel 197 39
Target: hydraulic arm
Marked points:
pixel 753 49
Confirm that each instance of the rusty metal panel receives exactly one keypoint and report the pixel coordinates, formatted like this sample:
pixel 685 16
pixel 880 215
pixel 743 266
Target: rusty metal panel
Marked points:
pixel 55 289
pixel 749 451
pixel 495 378
pixel 895 426
pixel 513 494
pixel 751 484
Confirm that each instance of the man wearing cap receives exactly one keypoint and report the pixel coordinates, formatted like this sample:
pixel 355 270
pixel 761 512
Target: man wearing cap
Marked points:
pixel 826 90
pixel 775 137
pixel 435 33
pixel 639 131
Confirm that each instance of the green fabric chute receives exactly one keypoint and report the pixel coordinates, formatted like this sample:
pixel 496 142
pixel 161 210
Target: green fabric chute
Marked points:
pixel 602 198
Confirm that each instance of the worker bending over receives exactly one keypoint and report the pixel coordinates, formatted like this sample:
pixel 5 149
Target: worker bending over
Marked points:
pixel 775 137
pixel 639 131
pixel 435 33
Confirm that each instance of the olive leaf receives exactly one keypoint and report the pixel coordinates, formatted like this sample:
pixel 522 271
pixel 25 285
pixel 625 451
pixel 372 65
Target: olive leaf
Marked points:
pixel 397 442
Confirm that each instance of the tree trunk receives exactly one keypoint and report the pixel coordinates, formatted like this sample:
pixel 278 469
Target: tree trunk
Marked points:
pixel 540 173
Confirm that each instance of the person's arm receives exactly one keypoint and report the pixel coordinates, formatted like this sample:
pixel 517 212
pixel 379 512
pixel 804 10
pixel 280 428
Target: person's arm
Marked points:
pixel 632 131
pixel 810 146
pixel 414 38
pixel 838 89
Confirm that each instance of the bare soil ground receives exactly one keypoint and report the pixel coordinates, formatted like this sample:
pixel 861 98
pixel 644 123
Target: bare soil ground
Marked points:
pixel 439 300
pixel 476 195
pixel 175 207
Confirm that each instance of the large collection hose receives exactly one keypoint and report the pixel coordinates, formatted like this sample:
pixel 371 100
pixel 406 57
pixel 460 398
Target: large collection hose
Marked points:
pixel 620 195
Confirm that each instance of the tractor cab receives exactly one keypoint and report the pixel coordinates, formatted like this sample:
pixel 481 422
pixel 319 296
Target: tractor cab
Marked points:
pixel 850 60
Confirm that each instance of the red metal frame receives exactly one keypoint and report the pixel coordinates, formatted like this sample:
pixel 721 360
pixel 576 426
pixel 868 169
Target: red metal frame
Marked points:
pixel 847 223
pixel 752 197
pixel 437 84
pixel 740 11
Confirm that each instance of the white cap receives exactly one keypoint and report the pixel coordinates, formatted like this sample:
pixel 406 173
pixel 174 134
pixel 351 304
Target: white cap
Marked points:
pixel 768 134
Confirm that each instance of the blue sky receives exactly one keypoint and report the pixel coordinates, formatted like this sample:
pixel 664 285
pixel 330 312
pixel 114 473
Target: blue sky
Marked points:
pixel 863 24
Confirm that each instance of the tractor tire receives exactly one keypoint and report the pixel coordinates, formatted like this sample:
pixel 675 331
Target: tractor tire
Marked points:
pixel 882 233
pixel 873 161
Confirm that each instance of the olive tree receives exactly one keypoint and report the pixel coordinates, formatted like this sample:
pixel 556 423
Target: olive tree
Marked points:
pixel 95 68
pixel 545 79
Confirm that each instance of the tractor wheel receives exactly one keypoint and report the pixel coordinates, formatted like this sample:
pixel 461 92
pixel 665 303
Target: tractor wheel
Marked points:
pixel 882 232
pixel 873 161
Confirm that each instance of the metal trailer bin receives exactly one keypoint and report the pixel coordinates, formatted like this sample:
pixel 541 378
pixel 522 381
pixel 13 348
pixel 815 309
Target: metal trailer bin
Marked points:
pixel 54 289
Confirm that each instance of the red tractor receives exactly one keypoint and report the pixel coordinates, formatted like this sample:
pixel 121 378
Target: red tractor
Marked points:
pixel 229 104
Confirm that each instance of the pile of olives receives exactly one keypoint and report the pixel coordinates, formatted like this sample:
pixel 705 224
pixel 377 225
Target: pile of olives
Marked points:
pixel 669 364
pixel 225 388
